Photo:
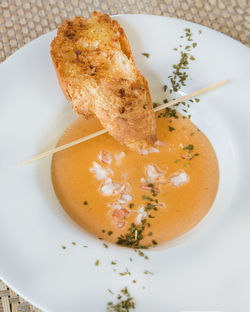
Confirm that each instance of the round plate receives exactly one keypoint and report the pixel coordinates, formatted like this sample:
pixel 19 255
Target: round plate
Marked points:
pixel 208 269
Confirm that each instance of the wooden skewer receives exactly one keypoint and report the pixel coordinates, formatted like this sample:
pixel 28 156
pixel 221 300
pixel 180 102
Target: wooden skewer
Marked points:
pixel 93 135
pixel 190 95
pixel 62 147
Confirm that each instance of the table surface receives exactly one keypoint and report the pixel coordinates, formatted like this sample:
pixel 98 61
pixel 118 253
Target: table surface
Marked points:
pixel 24 20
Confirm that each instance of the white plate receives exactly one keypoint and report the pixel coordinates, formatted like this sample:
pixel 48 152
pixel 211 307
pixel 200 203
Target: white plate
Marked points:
pixel 211 270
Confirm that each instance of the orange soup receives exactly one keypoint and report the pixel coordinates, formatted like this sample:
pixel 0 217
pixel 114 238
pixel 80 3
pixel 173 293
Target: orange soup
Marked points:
pixel 137 199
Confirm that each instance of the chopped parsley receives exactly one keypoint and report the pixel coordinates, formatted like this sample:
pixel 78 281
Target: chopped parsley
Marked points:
pixel 150 206
pixel 195 155
pixel 126 272
pixel 171 128
pixel 110 291
pixel 147 197
pixel 179 75
pixel 146 54
pixel 125 303
pixel 189 147
pixel 85 203
pixel 169 113
pixel 97 262
pixel 133 237
pixel 141 254
pixel 135 234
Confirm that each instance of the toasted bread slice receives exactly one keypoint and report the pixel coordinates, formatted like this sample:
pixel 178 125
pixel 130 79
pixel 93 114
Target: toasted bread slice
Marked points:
pixel 97 73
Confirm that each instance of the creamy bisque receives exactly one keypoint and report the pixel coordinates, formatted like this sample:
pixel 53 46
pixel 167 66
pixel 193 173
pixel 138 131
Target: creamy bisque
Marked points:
pixel 105 187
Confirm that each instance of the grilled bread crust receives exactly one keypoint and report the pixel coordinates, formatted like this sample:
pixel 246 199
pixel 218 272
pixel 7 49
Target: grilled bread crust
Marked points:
pixel 97 73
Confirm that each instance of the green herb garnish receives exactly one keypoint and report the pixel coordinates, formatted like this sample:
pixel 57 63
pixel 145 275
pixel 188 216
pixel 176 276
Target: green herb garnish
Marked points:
pixel 125 302
pixel 171 113
pixel 141 254
pixel 110 291
pixel 147 197
pixel 171 128
pixel 189 147
pixel 195 155
pixel 146 54
pixel 133 237
pixel 125 272
pixel 150 206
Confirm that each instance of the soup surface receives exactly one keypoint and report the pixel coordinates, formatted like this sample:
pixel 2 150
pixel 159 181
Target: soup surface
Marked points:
pixel 137 199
